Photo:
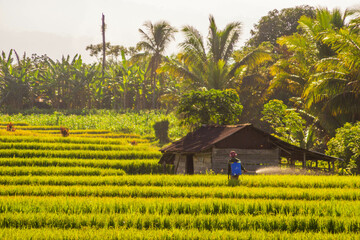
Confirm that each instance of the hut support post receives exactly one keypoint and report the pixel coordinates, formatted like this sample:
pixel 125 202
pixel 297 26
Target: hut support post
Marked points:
pixel 304 161
pixel 291 163
pixel 316 164
pixel 164 167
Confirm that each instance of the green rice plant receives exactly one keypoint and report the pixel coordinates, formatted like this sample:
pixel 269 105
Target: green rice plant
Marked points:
pixel 18 124
pixel 79 154
pixel 175 234
pixel 169 206
pixel 229 222
pixel 56 131
pixel 130 122
pixel 78 140
pixel 34 128
pixel 75 146
pixel 270 181
pixel 136 166
pixel 94 186
pixel 108 135
pixel 58 171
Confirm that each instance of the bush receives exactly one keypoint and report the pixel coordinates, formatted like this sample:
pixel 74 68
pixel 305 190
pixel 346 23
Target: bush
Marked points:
pixel 346 145
pixel 210 107
pixel 161 131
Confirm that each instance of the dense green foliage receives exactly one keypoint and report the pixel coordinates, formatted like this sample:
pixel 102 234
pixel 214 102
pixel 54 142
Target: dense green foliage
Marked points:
pixel 346 145
pixel 288 124
pixel 278 23
pixel 209 107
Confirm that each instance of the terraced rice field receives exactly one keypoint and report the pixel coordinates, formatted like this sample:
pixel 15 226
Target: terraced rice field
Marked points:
pixel 107 186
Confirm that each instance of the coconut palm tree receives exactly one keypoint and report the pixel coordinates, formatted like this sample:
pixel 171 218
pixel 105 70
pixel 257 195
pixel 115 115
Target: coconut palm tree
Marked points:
pixel 336 86
pixel 212 64
pixel 302 66
pixel 156 37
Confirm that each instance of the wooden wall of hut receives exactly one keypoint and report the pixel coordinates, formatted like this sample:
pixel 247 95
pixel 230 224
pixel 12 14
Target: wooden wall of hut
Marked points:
pixel 252 159
pixel 201 163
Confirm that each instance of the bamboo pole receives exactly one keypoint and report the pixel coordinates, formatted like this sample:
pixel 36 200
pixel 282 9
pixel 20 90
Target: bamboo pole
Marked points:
pixel 304 161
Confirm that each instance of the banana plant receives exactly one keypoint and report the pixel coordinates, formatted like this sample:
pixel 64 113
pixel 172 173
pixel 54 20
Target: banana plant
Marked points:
pixel 125 80
pixel 16 80
pixel 69 83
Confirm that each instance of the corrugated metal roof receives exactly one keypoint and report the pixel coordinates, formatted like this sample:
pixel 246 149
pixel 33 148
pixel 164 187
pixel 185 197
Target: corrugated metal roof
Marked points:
pixel 203 138
pixel 207 136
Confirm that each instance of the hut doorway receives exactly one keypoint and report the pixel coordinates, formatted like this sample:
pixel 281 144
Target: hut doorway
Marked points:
pixel 189 165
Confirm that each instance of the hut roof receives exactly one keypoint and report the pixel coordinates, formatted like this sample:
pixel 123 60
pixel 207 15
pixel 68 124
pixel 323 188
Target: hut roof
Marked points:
pixel 207 136
pixel 203 138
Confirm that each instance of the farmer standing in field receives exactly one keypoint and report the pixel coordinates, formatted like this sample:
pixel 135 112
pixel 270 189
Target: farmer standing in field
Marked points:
pixel 232 172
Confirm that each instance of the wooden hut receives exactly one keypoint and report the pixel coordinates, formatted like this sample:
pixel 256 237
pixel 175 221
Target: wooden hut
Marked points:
pixel 208 149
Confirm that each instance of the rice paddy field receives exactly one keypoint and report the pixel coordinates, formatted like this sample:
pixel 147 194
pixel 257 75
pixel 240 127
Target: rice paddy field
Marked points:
pixel 101 184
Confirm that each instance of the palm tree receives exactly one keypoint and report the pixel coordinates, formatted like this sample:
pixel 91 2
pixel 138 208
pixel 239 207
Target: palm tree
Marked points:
pixel 324 21
pixel 156 37
pixel 211 64
pixel 301 72
pixel 336 86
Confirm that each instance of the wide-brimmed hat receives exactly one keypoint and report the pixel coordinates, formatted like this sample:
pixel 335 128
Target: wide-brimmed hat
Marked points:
pixel 233 154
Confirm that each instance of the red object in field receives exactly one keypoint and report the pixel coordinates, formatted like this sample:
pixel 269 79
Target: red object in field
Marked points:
pixel 64 131
pixel 10 127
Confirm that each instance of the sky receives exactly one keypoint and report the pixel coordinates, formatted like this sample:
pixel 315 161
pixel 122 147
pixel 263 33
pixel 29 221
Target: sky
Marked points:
pixel 66 27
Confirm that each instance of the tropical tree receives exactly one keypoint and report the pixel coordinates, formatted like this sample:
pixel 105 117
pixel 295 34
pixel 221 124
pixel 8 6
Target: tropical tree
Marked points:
pixel 324 21
pixel 156 37
pixel 212 64
pixel 209 107
pixel 289 125
pixel 16 81
pixel 278 24
pixel 298 70
pixel 336 86
pixel 346 145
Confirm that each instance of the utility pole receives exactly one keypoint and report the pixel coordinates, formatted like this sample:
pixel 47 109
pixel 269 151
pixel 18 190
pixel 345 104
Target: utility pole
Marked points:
pixel 103 45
